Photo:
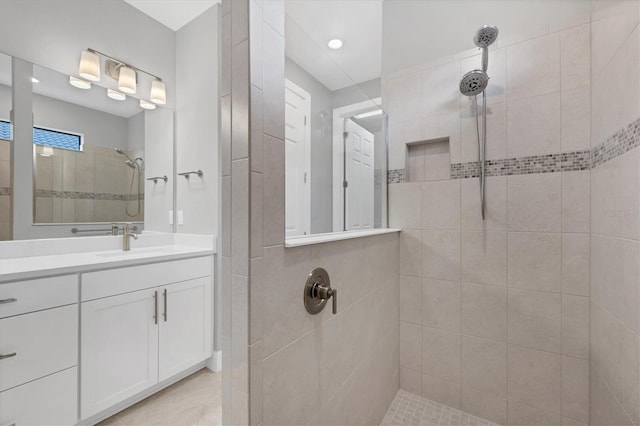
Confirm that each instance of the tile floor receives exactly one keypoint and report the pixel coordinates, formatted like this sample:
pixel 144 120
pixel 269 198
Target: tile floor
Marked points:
pixel 194 400
pixel 408 409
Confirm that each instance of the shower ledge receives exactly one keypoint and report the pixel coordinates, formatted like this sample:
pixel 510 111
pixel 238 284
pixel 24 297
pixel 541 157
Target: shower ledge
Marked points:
pixel 336 236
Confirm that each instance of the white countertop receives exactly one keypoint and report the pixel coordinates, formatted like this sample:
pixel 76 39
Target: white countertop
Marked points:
pixel 73 262
pixel 336 236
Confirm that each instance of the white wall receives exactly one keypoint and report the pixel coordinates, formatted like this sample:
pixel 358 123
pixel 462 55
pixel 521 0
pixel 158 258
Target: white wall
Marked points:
pixel 98 128
pixel 158 197
pixel 197 123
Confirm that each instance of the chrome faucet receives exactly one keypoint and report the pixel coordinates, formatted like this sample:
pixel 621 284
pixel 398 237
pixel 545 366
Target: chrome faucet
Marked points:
pixel 126 242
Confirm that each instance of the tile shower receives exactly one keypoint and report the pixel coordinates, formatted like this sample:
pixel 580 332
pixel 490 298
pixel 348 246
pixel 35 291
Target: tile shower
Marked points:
pixel 529 318
pixel 495 316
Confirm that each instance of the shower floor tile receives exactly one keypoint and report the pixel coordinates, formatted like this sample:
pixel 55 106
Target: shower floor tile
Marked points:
pixel 408 409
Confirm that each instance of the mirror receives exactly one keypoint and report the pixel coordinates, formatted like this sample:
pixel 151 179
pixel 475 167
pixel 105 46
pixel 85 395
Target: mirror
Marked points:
pixel 336 132
pixel 5 148
pixel 88 153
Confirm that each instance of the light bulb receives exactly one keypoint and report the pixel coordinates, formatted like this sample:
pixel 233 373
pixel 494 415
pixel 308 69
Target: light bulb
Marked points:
pixel 158 92
pixel 114 94
pixel 89 66
pixel 147 105
pixel 79 83
pixel 127 80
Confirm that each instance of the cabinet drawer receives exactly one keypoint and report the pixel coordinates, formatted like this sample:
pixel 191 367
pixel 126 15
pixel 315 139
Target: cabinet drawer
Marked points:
pixel 34 295
pixel 124 280
pixel 43 342
pixel 52 400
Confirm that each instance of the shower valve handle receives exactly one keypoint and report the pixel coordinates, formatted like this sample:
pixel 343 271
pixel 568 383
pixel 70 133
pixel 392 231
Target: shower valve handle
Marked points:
pixel 318 291
pixel 323 292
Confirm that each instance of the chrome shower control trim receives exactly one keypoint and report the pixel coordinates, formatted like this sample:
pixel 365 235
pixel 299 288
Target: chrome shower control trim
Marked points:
pixel 318 291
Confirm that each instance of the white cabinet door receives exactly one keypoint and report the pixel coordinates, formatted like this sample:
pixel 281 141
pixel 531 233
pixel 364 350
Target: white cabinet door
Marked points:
pixel 51 400
pixel 119 349
pixel 185 325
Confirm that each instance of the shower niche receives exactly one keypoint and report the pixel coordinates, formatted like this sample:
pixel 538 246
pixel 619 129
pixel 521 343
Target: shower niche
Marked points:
pixel 428 160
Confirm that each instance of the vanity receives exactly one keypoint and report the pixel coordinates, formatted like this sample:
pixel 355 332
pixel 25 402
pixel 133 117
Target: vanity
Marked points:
pixel 86 334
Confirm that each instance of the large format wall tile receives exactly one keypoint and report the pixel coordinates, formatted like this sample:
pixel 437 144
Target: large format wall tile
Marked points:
pixel 526 135
pixel 484 311
pixel 533 67
pixel 534 378
pixel 535 320
pixel 484 257
pixel 535 261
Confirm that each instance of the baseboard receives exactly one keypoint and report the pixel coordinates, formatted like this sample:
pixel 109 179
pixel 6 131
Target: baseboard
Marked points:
pixel 215 362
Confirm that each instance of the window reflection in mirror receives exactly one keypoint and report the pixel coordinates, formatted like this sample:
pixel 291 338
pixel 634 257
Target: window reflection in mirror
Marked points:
pixel 5 148
pixel 335 128
pixel 88 153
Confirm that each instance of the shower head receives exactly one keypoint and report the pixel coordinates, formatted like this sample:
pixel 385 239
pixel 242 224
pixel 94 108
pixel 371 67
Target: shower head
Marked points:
pixel 121 152
pixel 485 36
pixel 474 82
pixel 131 164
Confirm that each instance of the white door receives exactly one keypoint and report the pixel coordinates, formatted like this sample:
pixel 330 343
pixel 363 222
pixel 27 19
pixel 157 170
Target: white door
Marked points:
pixel 185 325
pixel 297 160
pixel 359 176
pixel 119 349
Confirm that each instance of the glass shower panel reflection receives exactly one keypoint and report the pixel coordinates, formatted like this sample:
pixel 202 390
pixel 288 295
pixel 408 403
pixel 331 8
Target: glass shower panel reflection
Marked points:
pixel 335 142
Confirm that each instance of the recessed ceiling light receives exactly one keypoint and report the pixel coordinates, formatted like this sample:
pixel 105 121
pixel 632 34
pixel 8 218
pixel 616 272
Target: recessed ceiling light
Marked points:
pixel 335 44
pixel 79 83
pixel 35 80
pixel 114 94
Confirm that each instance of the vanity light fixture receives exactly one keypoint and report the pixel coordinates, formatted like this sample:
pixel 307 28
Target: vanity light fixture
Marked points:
pixel 147 105
pixel 79 83
pixel 114 94
pixel 335 44
pixel 89 68
pixel 124 73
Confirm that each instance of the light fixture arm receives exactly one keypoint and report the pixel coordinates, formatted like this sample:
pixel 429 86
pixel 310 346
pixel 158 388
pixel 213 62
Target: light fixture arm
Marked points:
pixel 123 63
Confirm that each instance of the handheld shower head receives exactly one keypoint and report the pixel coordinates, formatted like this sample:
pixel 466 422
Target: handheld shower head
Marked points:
pixel 474 82
pixel 130 164
pixel 486 36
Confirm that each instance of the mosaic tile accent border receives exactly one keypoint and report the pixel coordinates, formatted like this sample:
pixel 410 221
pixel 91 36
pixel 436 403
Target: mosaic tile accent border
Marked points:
pixel 409 409
pixel 620 142
pixel 77 195
pixel 563 162
pixel 396 176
